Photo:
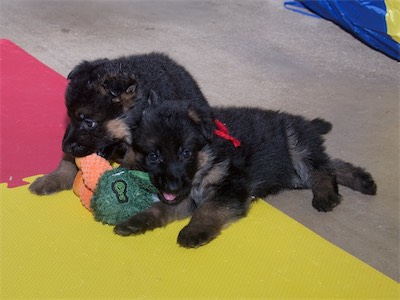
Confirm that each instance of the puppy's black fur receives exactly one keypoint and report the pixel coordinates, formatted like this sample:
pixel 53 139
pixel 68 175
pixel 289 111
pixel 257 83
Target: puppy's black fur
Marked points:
pixel 204 175
pixel 105 100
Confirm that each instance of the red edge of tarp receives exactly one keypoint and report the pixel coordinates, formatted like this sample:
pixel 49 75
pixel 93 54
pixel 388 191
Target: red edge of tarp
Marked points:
pixel 32 115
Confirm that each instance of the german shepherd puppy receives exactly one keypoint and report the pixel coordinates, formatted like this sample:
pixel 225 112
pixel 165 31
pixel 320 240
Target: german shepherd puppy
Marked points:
pixel 210 164
pixel 105 99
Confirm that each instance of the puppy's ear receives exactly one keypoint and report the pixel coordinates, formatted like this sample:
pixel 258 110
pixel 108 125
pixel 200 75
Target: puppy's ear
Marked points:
pixel 121 89
pixel 131 88
pixel 118 85
pixel 203 118
pixel 153 98
pixel 85 67
pixel 152 102
pixel 124 90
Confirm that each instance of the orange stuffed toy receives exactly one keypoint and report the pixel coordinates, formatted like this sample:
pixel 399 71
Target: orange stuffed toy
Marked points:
pixel 91 168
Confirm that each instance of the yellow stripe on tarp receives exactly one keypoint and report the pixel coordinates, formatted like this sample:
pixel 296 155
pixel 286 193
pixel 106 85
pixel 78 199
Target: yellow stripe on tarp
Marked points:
pixel 393 19
pixel 51 248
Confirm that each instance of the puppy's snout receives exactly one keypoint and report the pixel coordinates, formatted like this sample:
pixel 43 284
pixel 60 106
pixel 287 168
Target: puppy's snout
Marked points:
pixel 174 179
pixel 67 148
pixel 72 145
pixel 173 186
pixel 174 183
pixel 77 150
pixel 71 148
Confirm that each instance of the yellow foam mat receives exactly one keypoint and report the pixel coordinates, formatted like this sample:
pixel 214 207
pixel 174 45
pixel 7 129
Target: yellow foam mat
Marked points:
pixel 52 248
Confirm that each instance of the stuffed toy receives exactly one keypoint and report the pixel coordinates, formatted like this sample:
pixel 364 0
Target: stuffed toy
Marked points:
pixel 112 194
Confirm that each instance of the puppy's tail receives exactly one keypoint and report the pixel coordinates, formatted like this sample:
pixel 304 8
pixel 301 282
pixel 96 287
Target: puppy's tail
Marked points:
pixel 353 177
pixel 321 126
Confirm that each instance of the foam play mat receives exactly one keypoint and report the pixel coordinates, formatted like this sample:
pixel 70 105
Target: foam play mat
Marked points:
pixel 51 247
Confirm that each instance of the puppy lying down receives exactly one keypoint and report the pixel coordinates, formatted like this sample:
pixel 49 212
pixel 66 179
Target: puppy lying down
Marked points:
pixel 211 163
pixel 105 99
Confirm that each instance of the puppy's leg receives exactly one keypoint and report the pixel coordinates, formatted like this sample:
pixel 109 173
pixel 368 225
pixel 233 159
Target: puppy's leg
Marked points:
pixel 221 200
pixel 60 179
pixel 158 215
pixel 207 222
pixel 353 177
pixel 325 190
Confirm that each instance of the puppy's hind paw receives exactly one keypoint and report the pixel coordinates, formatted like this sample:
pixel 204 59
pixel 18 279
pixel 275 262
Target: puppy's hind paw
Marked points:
pixel 327 203
pixel 365 184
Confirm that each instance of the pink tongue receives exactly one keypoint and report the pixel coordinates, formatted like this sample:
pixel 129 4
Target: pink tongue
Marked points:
pixel 169 197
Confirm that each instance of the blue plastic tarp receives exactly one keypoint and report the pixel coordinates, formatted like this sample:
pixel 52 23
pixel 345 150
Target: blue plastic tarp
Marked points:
pixel 366 20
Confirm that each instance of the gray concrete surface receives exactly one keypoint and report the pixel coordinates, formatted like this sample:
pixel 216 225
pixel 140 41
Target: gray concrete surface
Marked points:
pixel 254 53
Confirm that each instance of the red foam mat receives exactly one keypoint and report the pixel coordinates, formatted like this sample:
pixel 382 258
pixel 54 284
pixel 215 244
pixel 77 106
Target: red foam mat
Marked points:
pixel 32 115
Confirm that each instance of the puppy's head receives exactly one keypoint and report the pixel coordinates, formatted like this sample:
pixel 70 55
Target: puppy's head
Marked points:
pixel 98 97
pixel 170 139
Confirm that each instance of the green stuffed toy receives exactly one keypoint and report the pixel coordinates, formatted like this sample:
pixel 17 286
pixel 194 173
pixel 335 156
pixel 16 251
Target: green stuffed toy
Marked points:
pixel 113 195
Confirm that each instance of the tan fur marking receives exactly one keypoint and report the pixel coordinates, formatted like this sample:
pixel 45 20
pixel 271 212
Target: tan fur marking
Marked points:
pixel 130 159
pixel 202 158
pixel 119 130
pixel 194 116
pixel 127 100
pixel 215 175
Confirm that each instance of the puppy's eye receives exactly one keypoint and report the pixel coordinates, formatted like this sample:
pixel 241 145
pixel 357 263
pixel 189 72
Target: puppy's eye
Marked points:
pixel 113 93
pixel 186 153
pixel 154 157
pixel 87 123
pixel 90 123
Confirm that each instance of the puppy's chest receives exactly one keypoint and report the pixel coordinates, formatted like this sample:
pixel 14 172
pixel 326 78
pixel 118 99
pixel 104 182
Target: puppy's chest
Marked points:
pixel 196 195
pixel 206 181
pixel 201 191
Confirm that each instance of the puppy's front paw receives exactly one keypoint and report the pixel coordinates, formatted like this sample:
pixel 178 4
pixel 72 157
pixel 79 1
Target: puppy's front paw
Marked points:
pixel 137 224
pixel 125 229
pixel 192 237
pixel 46 185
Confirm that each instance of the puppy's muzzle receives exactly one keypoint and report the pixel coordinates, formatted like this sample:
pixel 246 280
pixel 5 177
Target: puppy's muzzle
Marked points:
pixel 71 146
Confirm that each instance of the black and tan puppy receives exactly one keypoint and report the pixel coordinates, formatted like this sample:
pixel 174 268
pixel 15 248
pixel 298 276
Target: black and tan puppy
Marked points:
pixel 105 99
pixel 211 164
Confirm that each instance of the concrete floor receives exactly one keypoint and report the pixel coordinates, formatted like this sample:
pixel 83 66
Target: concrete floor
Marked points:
pixel 254 53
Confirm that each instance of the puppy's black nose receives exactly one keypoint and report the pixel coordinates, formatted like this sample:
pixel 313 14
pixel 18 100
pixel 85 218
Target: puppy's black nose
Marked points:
pixel 69 147
pixel 75 149
pixel 173 187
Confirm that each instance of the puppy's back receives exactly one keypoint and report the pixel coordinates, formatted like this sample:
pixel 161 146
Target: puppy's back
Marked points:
pixel 157 71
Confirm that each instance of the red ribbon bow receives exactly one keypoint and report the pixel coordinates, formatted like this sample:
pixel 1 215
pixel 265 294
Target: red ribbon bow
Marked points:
pixel 223 132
